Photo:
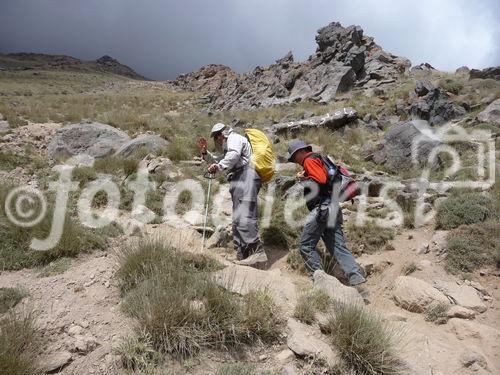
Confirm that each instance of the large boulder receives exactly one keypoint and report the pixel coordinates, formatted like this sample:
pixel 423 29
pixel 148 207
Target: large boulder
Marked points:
pixel 491 113
pixel 89 138
pixel 335 289
pixel 151 142
pixel 416 295
pixel 242 280
pixel 395 152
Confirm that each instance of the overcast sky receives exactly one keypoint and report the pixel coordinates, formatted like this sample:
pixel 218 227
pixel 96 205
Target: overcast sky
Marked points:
pixel 163 38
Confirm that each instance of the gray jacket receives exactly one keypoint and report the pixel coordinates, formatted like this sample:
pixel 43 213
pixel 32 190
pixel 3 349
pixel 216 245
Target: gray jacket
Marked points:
pixel 237 153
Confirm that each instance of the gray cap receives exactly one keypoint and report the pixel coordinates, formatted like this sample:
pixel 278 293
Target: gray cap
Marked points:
pixel 217 128
pixel 295 146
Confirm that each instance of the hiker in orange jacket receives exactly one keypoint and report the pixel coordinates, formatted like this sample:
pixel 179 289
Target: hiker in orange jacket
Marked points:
pixel 320 223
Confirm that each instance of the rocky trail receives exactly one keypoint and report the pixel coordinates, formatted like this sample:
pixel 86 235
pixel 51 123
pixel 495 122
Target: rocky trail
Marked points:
pixel 79 313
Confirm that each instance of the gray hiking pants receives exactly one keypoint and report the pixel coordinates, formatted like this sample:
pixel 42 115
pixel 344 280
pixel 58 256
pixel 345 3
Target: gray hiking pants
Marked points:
pixel 244 186
pixel 333 237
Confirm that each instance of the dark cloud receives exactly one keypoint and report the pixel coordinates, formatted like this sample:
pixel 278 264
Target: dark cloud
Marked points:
pixel 162 39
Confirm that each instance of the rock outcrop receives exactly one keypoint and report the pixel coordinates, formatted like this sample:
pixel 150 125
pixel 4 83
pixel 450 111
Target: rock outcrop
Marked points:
pixel 395 152
pixel 493 73
pixel 151 142
pixel 334 120
pixel 433 105
pixel 93 139
pixel 344 58
pixel 491 113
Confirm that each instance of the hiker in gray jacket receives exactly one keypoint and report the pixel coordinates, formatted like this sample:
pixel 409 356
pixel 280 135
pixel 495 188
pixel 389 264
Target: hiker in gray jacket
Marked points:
pixel 244 187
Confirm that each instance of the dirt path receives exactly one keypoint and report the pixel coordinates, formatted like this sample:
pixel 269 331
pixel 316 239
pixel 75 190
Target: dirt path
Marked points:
pixel 79 312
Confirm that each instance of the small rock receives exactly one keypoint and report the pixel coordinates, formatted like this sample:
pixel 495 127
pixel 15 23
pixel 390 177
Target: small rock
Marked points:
pixel 438 241
pixel 56 362
pixel 304 341
pixel 263 357
pixel 4 127
pixel 84 344
pixel 285 356
pixel 473 356
pixel 75 330
pixel 460 312
pixel 424 249
pixel 288 370
pixel 335 289
pixel 220 238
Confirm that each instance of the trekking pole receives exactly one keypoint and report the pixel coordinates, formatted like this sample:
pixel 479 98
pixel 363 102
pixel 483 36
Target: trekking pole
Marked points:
pixel 210 177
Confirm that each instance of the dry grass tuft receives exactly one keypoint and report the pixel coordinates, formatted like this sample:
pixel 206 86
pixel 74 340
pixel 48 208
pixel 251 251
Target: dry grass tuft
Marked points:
pixel 182 310
pixel 365 342
pixel 19 341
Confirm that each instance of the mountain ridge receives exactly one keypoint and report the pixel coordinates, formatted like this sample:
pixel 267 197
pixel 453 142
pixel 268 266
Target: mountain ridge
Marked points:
pixel 29 60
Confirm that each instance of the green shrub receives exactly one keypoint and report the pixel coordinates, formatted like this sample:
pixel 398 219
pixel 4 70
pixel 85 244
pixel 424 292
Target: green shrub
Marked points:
pixel 10 161
pixel 137 353
pixel 84 175
pixel 179 306
pixel 474 246
pixel 10 297
pixel 464 208
pixel 437 313
pixel 364 341
pixel 451 85
pixel 310 303
pixel 367 238
pixel 15 252
pixel 184 148
pixel 19 341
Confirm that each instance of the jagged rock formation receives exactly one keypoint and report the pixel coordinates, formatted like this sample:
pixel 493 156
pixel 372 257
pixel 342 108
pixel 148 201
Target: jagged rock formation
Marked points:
pixel 493 72
pixel 104 64
pixel 344 58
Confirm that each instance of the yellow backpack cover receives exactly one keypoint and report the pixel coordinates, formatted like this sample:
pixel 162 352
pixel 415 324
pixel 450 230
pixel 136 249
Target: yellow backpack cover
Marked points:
pixel 262 153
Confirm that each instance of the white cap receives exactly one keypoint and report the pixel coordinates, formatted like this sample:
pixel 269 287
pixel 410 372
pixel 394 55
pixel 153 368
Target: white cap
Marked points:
pixel 217 128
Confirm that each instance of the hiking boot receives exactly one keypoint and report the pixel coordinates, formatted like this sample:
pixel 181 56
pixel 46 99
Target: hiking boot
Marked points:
pixel 256 259
pixel 363 292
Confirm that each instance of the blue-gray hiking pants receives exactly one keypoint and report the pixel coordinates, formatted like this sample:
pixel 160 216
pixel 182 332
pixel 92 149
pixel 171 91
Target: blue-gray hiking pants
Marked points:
pixel 333 237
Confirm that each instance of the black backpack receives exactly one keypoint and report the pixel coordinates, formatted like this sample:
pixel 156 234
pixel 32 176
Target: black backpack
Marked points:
pixel 337 174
